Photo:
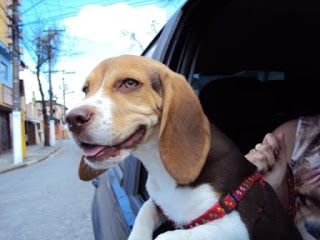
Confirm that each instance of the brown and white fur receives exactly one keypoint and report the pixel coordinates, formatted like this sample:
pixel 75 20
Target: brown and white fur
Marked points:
pixel 135 105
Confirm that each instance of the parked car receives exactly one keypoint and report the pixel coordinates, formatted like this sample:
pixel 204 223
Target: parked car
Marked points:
pixel 253 64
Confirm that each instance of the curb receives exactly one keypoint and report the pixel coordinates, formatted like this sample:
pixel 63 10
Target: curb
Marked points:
pixel 13 167
pixel 30 163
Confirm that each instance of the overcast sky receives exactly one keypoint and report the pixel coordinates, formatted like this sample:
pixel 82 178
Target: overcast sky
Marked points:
pixel 92 34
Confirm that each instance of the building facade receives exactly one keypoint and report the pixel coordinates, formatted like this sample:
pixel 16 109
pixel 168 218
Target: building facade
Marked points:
pixel 35 124
pixel 6 92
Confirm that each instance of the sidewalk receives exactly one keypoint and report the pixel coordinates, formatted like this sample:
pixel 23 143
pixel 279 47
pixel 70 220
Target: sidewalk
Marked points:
pixel 35 154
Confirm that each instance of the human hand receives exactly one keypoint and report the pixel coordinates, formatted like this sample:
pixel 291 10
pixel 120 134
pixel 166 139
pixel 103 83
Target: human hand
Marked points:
pixel 270 157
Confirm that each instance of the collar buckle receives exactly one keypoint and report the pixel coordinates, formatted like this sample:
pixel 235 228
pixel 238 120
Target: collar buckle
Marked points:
pixel 223 204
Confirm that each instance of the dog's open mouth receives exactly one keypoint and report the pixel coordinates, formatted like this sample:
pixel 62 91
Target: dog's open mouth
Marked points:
pixel 99 152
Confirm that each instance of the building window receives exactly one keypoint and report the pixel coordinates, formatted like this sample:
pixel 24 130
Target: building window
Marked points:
pixel 3 71
pixel 7 95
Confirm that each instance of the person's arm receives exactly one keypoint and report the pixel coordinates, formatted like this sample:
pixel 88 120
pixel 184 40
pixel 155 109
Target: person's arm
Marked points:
pixel 272 156
pixel 289 130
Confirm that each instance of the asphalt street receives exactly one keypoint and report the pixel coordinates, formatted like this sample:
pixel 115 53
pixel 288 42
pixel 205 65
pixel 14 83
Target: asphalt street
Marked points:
pixel 47 200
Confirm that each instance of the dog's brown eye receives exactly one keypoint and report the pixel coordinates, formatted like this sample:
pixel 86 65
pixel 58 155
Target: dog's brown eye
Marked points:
pixel 130 83
pixel 85 90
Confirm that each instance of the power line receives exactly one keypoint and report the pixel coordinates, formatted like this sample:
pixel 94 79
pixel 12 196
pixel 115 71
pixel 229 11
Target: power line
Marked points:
pixel 51 18
pixel 61 10
pixel 76 8
pixel 48 11
pixel 33 6
pixel 35 10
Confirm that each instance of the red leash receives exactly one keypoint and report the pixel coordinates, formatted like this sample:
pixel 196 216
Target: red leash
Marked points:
pixel 227 203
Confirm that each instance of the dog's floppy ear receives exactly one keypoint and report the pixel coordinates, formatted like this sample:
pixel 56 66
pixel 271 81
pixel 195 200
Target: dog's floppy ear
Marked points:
pixel 184 131
pixel 87 173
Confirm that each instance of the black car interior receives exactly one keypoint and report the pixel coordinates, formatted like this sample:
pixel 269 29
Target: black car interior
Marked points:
pixel 260 36
pixel 239 107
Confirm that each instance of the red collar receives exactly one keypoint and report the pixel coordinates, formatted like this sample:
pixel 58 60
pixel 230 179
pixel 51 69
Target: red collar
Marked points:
pixel 226 204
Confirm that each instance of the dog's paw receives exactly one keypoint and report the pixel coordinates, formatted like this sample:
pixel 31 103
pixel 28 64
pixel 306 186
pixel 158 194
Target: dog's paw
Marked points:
pixel 139 237
pixel 162 236
pixel 173 235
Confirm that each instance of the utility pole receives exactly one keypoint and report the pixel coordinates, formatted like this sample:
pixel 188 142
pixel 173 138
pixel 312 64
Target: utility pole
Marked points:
pixel 16 111
pixel 64 88
pixel 64 95
pixel 52 128
pixel 52 125
pixel 64 100
pixel 64 110
pixel 65 127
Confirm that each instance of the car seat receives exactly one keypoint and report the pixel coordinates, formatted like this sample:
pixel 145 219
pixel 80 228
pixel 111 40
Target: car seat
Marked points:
pixel 240 107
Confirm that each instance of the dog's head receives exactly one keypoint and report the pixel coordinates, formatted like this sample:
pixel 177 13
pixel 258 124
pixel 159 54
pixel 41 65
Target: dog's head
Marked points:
pixel 130 100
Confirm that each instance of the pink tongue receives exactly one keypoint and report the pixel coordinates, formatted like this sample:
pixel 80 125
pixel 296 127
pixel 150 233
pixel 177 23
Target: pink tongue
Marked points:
pixel 107 151
pixel 111 151
pixel 88 152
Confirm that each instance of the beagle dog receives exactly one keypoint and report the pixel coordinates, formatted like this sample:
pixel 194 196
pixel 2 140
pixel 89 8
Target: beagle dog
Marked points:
pixel 197 178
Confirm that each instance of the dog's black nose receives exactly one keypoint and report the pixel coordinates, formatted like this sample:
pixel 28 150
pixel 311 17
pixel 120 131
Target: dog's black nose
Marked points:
pixel 78 118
